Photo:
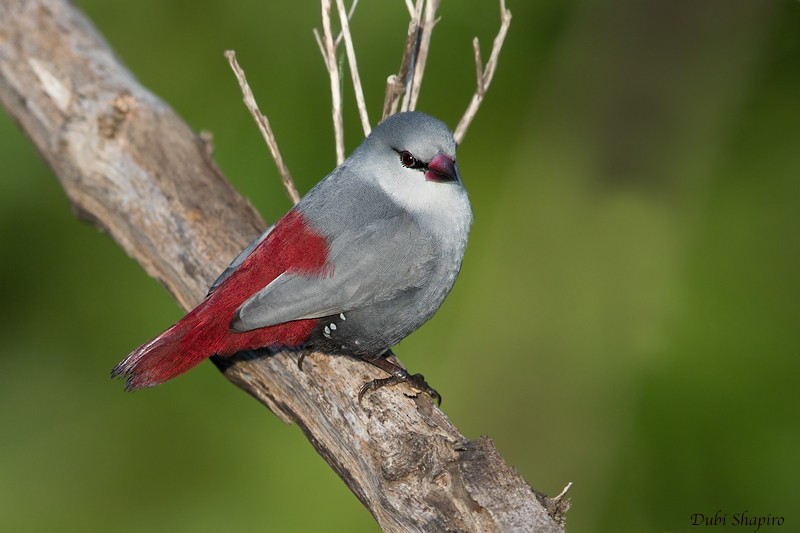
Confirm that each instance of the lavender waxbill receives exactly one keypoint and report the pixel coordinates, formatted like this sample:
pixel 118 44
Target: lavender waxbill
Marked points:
pixel 362 261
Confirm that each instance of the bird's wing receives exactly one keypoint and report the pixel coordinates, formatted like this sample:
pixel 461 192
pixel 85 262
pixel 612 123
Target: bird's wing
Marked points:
pixel 374 262
pixel 236 263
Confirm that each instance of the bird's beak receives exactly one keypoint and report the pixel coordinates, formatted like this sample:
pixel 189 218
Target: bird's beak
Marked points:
pixel 442 168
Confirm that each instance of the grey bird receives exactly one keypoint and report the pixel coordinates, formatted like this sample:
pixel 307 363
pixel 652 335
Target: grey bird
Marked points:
pixel 362 261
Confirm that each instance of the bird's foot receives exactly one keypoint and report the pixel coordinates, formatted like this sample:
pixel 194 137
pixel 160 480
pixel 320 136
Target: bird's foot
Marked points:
pixel 416 381
pixel 397 375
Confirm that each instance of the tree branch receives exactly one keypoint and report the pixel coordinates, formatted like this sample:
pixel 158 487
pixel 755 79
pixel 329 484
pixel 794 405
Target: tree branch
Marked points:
pixel 131 166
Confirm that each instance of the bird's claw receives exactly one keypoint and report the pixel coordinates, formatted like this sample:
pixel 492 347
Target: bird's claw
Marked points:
pixel 416 381
pixel 302 357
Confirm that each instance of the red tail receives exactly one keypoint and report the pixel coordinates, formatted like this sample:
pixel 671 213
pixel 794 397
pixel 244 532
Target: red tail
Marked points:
pixel 205 331
pixel 198 336
pixel 163 358
pixel 175 351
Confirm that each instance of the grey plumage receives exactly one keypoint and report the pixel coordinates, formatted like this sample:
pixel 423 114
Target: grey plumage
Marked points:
pixel 362 261
pixel 396 241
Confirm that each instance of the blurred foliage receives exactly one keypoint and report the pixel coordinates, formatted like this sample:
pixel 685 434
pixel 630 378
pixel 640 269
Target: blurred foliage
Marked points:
pixel 626 318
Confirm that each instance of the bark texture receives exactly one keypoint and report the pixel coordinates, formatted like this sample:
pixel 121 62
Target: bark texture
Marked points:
pixel 131 166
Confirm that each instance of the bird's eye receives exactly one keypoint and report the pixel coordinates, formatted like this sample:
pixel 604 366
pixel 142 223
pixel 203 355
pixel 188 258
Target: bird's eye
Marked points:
pixel 408 159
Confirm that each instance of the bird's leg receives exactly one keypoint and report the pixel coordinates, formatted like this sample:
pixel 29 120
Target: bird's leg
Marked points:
pixel 397 374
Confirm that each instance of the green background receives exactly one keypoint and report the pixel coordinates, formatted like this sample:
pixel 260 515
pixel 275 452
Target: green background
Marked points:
pixel 627 314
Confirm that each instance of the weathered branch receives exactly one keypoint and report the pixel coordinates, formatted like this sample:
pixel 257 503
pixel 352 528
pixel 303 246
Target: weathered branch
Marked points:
pixel 130 165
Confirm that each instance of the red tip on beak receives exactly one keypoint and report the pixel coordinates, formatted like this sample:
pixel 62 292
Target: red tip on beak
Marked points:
pixel 442 168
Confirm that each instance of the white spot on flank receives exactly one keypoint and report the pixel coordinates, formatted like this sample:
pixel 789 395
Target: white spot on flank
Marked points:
pixel 333 326
pixel 341 315
pixel 327 331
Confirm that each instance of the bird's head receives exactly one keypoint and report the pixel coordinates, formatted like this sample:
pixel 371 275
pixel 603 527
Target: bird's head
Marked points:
pixel 412 157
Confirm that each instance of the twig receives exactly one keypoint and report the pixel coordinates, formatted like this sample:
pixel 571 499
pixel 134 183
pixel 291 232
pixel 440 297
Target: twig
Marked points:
pixel 394 88
pixel 263 126
pixel 411 54
pixel 329 55
pixel 349 17
pixel 351 61
pixel 426 30
pixel 396 84
pixel 563 493
pixel 488 73
pixel 476 47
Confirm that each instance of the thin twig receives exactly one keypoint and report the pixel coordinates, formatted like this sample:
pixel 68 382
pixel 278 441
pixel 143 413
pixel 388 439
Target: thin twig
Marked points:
pixel 426 29
pixel 393 88
pixel 351 61
pixel 396 83
pixel 476 47
pixel 339 37
pixel 329 55
pixel 563 493
pixel 263 126
pixel 321 46
pixel 497 45
pixel 406 75
pixel 488 73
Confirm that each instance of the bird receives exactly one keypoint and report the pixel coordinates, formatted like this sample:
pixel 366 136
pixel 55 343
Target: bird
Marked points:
pixel 365 258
